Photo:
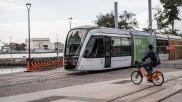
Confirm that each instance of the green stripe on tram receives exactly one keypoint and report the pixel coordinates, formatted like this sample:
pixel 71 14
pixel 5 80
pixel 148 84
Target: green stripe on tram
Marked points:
pixel 140 47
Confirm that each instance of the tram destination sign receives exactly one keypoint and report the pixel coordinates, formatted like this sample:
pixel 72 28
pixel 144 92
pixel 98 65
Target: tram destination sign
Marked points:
pixel 170 47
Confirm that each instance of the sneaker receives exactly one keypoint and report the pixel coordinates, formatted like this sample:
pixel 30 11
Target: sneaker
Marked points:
pixel 149 80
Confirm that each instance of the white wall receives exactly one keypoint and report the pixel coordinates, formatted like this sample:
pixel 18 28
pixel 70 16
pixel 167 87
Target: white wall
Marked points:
pixel 37 43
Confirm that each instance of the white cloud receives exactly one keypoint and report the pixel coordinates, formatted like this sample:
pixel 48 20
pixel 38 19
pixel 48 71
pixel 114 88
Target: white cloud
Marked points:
pixel 9 5
pixel 136 4
pixel 19 31
pixel 143 20
pixel 49 29
pixel 141 7
pixel 132 3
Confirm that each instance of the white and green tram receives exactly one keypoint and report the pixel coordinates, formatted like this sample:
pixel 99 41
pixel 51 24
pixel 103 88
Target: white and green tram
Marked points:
pixel 95 48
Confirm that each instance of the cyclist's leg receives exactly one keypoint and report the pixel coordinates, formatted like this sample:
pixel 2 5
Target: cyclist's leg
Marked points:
pixel 151 68
pixel 145 66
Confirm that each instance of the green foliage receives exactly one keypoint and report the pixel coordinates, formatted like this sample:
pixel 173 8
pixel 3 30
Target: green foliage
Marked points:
pixel 106 20
pixel 17 47
pixel 167 15
pixel 126 20
pixel 180 34
pixel 20 47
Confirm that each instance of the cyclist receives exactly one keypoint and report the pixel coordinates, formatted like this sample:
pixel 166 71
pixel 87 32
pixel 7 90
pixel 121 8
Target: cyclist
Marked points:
pixel 151 54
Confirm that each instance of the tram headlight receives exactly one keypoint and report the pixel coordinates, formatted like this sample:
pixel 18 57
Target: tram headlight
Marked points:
pixel 73 63
pixel 65 61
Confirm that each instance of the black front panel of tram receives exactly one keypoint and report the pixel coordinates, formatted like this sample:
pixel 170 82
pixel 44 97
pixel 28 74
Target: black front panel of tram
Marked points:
pixel 70 62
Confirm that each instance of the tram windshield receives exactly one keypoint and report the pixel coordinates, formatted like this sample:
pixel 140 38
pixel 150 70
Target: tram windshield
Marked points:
pixel 74 42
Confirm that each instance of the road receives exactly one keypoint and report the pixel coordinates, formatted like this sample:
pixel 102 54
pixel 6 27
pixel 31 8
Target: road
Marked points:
pixel 28 82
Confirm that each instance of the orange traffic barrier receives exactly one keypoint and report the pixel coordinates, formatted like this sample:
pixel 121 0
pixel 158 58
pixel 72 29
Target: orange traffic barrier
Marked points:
pixel 44 63
pixel 28 66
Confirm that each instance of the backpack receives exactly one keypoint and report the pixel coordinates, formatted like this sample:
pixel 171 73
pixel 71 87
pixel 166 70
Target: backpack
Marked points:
pixel 157 59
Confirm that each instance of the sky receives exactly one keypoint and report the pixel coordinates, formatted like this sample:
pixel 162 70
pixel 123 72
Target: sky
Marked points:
pixel 50 17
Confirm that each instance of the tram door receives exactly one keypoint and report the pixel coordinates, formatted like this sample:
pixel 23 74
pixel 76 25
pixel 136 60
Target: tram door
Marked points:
pixel 107 52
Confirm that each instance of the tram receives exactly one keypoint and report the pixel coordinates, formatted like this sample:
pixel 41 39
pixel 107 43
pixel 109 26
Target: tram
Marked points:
pixel 89 48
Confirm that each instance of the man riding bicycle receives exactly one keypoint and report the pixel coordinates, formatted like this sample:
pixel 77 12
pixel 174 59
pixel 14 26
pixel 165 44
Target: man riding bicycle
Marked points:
pixel 152 55
pixel 155 77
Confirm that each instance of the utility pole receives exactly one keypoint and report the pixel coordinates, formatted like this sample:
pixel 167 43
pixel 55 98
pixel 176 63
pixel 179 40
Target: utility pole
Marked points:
pixel 125 18
pixel 70 20
pixel 28 8
pixel 150 20
pixel 116 14
pixel 10 46
pixel 57 46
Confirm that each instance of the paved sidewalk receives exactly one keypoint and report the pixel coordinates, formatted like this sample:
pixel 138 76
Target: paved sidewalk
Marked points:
pixel 177 63
pixel 115 90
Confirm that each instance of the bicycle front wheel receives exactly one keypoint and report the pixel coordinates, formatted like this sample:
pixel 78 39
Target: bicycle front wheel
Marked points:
pixel 136 77
pixel 157 78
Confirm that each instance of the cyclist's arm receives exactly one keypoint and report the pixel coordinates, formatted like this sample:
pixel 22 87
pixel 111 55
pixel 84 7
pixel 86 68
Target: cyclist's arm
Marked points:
pixel 147 56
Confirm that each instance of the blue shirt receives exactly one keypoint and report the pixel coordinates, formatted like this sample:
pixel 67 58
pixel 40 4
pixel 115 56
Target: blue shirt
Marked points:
pixel 151 55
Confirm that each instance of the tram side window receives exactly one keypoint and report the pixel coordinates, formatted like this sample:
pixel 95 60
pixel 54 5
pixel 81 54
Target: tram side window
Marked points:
pixel 116 47
pixel 161 46
pixel 94 48
pixel 166 43
pixel 125 47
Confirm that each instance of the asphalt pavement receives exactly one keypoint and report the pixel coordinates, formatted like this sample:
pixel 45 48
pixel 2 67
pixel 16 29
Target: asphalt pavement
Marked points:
pixel 29 82
pixel 120 90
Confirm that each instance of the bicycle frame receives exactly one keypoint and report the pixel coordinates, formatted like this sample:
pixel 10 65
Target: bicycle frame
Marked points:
pixel 143 72
pixel 155 77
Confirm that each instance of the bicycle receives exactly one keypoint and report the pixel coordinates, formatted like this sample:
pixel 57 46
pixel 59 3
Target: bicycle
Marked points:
pixel 156 77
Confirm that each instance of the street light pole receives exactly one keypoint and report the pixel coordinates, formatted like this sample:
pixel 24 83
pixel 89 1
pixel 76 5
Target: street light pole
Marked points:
pixel 10 46
pixel 116 14
pixel 125 15
pixel 150 20
pixel 28 8
pixel 70 20
pixel 57 46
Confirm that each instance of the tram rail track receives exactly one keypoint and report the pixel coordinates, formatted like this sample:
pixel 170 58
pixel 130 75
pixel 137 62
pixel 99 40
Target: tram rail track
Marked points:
pixel 162 100
pixel 59 78
pixel 146 88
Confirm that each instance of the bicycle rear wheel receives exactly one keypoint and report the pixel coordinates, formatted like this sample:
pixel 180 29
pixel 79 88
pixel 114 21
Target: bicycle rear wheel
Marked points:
pixel 136 77
pixel 157 78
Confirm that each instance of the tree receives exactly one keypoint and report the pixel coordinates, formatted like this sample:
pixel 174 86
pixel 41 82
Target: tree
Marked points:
pixel 20 47
pixel 126 20
pixel 167 15
pixel 17 47
pixel 23 45
pixel 106 20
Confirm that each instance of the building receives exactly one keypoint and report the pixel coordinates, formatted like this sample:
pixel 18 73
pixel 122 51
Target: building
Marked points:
pixel 43 44
pixel 60 46
pixel 13 46
pixel 39 43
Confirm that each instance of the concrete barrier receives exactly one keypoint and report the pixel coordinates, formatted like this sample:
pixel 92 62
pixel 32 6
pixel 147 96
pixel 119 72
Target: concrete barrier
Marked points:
pixel 13 62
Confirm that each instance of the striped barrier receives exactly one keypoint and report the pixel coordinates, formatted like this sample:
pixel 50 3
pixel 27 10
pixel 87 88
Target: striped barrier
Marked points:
pixel 44 63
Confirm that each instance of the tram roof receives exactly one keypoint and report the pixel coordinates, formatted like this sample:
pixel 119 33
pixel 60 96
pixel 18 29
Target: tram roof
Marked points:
pixel 141 33
pixel 114 31
pixel 105 30
pixel 174 37
pixel 162 36
pixel 88 27
pixel 165 36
